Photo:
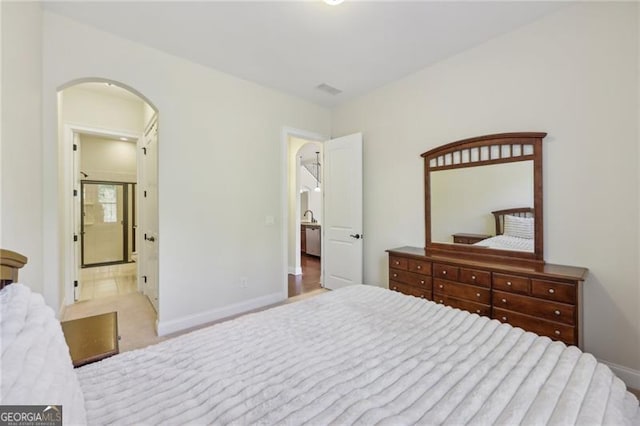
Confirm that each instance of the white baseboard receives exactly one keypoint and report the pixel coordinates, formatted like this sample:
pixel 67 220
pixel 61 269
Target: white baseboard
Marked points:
pixel 190 321
pixel 295 270
pixel 628 375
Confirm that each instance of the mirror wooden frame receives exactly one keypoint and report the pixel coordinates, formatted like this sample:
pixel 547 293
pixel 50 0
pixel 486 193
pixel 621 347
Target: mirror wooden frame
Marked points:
pixel 482 151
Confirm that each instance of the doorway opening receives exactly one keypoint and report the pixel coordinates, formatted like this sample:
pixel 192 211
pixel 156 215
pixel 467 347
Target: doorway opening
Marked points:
pixel 108 134
pixel 306 185
pixel 303 207
pixel 340 227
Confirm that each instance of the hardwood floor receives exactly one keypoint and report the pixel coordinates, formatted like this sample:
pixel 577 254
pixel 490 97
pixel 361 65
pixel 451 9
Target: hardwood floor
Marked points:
pixel 310 278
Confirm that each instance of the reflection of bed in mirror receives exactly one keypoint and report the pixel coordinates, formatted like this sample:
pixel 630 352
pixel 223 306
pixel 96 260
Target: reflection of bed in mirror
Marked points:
pixel 514 230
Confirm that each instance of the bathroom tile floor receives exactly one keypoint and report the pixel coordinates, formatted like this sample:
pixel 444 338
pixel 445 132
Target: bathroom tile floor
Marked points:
pixel 106 281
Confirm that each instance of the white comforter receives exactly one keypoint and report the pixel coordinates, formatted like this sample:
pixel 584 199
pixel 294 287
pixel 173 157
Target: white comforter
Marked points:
pixel 360 355
pixel 507 242
pixel 36 367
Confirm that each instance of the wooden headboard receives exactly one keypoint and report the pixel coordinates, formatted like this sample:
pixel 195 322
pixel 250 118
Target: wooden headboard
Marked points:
pixel 10 263
pixel 500 214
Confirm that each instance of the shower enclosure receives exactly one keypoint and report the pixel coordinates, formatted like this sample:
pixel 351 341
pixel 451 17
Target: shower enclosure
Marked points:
pixel 108 222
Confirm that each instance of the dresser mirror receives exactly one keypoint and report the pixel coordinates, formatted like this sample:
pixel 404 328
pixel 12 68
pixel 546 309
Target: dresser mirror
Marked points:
pixel 483 197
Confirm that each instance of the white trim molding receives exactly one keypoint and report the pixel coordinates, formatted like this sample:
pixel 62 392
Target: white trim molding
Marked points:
pixel 191 321
pixel 295 270
pixel 628 375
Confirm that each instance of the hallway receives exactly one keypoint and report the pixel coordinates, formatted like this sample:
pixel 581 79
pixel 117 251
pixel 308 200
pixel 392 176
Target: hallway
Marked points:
pixel 310 278
pixel 105 281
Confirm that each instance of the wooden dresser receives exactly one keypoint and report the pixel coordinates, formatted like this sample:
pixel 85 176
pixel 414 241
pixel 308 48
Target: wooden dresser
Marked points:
pixel 545 299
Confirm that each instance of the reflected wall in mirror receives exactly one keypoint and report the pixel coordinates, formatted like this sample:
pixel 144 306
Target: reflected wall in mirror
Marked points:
pixel 462 199
pixel 483 198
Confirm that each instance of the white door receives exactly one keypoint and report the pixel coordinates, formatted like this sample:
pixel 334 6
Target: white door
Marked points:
pixel 342 217
pixel 149 215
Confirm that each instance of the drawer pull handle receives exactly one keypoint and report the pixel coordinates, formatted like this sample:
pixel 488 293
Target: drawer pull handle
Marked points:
pixel 557 312
pixel 422 296
pixel 509 283
pixel 504 318
pixel 473 277
pixel 478 294
pixel 440 301
pixel 395 275
pixel 551 291
pixel 557 332
pixel 441 286
pixel 397 262
pixel 504 300
pixel 395 288
pixel 477 311
pixel 421 281
pixel 419 267
pixel 444 272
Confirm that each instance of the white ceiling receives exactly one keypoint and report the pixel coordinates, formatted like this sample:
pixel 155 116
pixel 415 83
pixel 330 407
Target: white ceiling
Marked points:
pixel 293 46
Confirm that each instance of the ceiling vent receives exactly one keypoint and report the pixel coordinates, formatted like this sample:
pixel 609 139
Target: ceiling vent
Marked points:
pixel 328 89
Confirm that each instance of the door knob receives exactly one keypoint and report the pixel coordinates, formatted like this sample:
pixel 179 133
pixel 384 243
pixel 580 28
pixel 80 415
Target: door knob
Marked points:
pixel 356 236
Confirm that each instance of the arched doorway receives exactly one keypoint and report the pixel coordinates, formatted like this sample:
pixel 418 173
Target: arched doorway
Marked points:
pixel 108 135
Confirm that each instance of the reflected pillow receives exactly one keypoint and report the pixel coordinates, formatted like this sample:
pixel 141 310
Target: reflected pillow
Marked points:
pixel 521 227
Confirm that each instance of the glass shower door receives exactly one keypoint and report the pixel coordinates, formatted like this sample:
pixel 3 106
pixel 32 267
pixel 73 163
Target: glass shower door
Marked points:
pixel 103 223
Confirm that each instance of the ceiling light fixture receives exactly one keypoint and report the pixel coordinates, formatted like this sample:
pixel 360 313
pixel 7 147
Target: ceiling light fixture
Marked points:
pixel 317 188
pixel 333 2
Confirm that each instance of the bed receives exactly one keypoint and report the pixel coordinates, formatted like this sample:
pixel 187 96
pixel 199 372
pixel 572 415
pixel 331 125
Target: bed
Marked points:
pixel 514 230
pixel 359 355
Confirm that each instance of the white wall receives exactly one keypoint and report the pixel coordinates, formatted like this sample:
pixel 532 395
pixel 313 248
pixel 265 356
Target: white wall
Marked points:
pixel 101 110
pixel 107 159
pixel 213 128
pixel 572 74
pixel 21 137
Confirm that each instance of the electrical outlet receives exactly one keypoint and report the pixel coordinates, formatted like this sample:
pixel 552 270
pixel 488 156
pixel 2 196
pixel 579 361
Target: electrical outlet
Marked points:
pixel 244 282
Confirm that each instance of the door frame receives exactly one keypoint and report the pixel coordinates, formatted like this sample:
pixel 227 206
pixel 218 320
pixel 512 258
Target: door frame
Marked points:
pixel 70 219
pixel 288 132
pixel 125 221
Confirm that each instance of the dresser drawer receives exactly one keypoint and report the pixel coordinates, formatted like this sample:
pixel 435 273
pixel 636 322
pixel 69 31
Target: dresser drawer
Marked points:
pixel 398 262
pixel 445 271
pixel 553 311
pixel 410 278
pixel 398 275
pixel 475 277
pixel 554 291
pixel 466 305
pixel 557 331
pixel 410 290
pixel 512 283
pixel 420 266
pixel 461 291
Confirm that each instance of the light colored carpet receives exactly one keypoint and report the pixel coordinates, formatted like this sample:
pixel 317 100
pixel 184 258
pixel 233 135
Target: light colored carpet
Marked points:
pixel 137 318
